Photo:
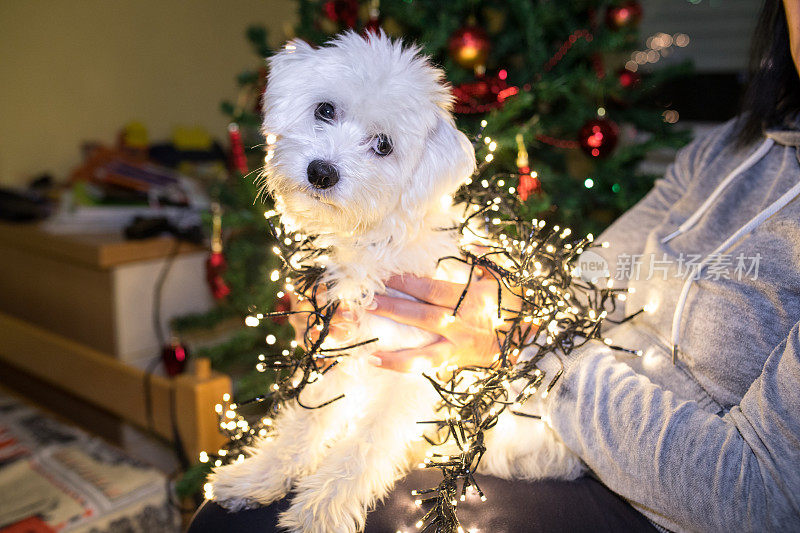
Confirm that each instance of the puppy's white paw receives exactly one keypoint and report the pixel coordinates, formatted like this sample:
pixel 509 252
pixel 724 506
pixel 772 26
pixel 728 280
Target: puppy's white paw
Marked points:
pixel 248 484
pixel 520 448
pixel 330 508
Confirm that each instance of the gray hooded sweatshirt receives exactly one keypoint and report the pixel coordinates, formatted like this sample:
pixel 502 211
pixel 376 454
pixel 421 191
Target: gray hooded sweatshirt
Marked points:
pixel 710 442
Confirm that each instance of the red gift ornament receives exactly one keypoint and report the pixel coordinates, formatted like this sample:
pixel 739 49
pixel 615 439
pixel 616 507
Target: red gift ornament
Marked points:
pixel 598 137
pixel 216 265
pixel 469 46
pixel 625 15
pixel 238 159
pixel 174 356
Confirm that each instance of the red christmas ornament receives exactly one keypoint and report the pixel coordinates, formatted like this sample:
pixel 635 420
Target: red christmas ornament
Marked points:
pixel 628 79
pixel 238 159
pixel 216 265
pixel 174 356
pixel 282 305
pixel 469 46
pixel 484 94
pixel 626 15
pixel 528 181
pixel 344 12
pixel 598 137
pixel 528 184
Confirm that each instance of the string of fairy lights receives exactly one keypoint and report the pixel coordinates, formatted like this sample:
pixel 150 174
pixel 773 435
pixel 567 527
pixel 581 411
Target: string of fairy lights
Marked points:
pixel 551 310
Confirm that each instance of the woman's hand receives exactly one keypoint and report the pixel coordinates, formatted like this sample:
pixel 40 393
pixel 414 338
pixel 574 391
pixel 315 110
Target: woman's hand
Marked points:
pixel 468 338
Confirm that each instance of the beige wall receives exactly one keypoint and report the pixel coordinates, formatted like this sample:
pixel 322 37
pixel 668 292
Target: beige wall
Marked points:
pixel 75 70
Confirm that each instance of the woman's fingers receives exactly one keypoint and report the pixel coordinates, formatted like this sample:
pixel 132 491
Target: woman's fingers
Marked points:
pixel 416 359
pixel 439 353
pixel 433 291
pixel 421 315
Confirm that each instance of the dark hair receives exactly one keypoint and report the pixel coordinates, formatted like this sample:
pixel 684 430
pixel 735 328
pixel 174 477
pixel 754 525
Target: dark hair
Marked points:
pixel 773 90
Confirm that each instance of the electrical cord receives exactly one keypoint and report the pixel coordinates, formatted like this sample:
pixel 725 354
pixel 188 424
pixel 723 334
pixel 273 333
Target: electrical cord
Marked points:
pixel 177 441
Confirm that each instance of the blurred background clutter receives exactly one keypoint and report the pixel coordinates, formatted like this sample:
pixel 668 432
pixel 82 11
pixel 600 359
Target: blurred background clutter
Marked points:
pixel 137 270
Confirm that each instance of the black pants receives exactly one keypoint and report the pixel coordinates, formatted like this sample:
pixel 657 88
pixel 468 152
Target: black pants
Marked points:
pixel 511 507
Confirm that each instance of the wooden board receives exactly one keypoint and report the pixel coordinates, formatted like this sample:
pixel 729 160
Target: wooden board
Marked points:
pixel 102 251
pixel 119 388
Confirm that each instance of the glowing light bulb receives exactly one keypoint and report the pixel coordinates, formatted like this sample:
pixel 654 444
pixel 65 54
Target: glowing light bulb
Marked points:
pixel 251 321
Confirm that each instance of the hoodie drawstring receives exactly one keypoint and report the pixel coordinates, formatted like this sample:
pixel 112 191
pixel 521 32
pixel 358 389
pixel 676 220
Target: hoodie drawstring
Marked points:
pixel 752 224
pixel 754 158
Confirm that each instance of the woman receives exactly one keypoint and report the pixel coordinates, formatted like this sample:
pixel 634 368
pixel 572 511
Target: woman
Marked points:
pixel 703 431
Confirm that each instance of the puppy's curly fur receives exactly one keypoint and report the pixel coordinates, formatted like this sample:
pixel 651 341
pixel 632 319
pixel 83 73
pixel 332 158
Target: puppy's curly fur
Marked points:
pixel 383 215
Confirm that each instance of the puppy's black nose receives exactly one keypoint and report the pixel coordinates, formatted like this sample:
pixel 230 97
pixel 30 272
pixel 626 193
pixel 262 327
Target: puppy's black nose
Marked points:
pixel 322 174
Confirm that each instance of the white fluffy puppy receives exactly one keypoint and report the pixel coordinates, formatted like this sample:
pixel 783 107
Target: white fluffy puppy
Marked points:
pixel 366 149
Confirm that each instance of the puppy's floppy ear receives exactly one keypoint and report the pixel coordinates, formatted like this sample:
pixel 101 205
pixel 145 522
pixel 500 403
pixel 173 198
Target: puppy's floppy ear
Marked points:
pixel 448 158
pixel 286 69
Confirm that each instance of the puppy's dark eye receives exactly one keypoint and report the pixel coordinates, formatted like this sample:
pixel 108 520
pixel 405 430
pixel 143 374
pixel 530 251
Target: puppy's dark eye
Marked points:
pixel 382 145
pixel 325 111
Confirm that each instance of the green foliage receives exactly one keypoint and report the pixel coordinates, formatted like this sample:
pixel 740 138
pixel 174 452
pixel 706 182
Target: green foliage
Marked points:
pixel 192 480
